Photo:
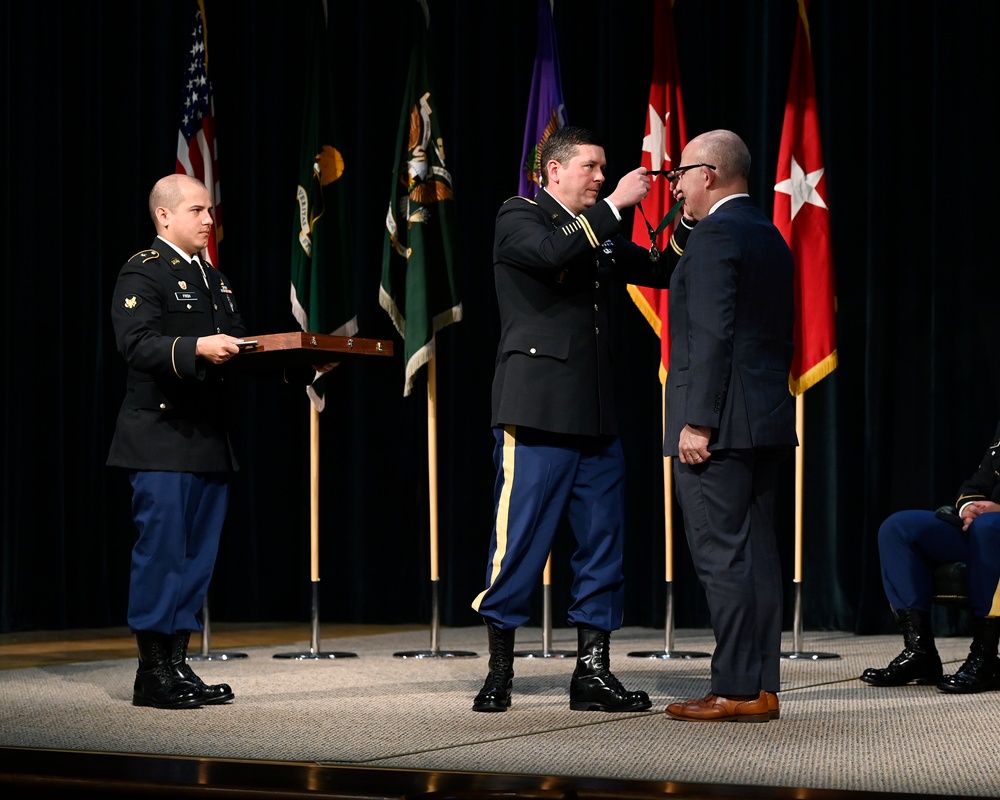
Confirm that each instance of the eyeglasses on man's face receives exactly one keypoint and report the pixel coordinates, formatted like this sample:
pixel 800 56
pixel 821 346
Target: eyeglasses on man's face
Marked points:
pixel 674 174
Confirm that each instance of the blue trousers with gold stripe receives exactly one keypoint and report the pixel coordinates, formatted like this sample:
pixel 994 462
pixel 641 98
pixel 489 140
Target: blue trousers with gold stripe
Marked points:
pixel 912 543
pixel 543 478
pixel 179 517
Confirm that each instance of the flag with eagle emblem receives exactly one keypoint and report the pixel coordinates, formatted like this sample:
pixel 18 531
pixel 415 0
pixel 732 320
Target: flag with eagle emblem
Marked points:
pixel 322 290
pixel 418 289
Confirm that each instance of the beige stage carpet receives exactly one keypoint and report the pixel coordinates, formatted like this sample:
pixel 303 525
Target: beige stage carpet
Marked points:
pixel 381 710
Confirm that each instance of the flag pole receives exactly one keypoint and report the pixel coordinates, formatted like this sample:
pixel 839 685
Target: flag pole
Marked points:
pixel 546 651
pixel 434 651
pixel 668 523
pixel 206 653
pixel 800 160
pixel 797 652
pixel 314 648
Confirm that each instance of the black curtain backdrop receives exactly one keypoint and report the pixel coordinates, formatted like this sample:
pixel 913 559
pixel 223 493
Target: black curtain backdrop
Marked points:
pixel 91 92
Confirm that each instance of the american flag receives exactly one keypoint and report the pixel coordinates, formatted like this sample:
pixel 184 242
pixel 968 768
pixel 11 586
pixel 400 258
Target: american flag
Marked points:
pixel 196 147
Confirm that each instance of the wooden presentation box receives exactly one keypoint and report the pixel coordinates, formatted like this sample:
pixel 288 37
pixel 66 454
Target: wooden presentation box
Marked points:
pixel 299 348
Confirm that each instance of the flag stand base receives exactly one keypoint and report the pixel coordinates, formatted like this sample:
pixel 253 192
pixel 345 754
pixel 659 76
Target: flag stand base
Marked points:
pixel 798 654
pixel 668 651
pixel 546 651
pixel 314 651
pixel 206 653
pixel 434 652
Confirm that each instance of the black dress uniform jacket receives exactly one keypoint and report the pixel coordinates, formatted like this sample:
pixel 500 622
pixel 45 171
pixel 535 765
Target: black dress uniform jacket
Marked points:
pixel 985 483
pixel 553 278
pixel 174 416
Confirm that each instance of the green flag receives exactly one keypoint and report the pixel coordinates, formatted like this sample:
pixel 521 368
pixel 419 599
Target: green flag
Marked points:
pixel 322 291
pixel 418 288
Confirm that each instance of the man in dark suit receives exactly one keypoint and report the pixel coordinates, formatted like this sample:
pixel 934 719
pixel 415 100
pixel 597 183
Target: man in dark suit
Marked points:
pixel 176 322
pixel 557 452
pixel 730 419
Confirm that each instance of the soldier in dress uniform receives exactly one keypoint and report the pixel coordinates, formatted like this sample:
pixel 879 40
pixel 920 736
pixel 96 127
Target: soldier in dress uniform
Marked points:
pixel 177 325
pixel 557 452
pixel 912 544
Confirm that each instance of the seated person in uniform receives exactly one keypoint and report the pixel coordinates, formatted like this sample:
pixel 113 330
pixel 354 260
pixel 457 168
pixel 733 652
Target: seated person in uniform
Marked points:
pixel 912 544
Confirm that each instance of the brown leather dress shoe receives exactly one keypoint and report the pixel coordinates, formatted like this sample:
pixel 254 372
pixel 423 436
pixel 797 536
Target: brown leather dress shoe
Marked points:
pixel 715 708
pixel 772 705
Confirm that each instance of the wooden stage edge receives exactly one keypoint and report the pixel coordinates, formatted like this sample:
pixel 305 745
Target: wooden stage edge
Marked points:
pixel 89 776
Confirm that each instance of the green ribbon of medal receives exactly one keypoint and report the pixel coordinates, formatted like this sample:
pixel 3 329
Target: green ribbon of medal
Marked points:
pixel 654 251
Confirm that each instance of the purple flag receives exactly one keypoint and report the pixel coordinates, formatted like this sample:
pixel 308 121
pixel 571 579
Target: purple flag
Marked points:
pixel 546 106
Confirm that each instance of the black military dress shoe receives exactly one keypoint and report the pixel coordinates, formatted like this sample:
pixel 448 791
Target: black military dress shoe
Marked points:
pixel 604 692
pixel 496 691
pixel 493 696
pixel 160 688
pixel 156 684
pixel 213 694
pixel 594 686
pixel 908 667
pixel 977 674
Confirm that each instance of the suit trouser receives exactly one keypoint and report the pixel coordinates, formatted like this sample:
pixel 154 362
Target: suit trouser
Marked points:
pixel 728 505
pixel 179 517
pixel 543 478
pixel 911 544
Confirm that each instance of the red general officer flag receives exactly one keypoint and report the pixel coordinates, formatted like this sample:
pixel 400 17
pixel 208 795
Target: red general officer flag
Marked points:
pixel 665 137
pixel 802 216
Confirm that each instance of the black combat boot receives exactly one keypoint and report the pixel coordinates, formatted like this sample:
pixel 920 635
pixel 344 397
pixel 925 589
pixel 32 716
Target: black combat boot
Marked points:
pixel 981 670
pixel 495 694
pixel 156 684
pixel 594 687
pixel 215 694
pixel 919 662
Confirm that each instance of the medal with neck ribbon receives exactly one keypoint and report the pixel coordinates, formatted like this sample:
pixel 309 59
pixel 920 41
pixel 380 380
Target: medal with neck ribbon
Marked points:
pixel 654 251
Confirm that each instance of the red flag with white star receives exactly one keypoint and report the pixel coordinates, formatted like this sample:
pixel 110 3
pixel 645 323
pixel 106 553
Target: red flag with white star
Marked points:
pixel 802 216
pixel 661 149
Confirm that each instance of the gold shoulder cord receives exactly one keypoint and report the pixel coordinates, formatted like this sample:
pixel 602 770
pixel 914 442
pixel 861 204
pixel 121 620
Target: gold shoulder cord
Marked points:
pixel 149 255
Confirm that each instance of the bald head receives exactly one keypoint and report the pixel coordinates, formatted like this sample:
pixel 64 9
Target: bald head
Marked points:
pixel 727 152
pixel 169 192
pixel 181 208
pixel 718 166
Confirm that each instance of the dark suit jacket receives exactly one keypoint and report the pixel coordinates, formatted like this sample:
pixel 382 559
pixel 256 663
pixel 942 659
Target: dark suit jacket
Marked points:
pixel 174 416
pixel 553 279
pixel 731 309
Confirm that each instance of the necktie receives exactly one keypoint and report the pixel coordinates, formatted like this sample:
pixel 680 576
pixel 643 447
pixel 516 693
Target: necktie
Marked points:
pixel 204 277
pixel 213 290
